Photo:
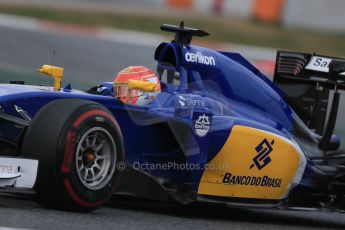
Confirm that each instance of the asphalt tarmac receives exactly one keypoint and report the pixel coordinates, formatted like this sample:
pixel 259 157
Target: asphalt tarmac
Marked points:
pixel 128 213
pixel 86 60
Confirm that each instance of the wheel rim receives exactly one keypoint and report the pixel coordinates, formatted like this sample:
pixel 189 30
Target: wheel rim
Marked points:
pixel 96 158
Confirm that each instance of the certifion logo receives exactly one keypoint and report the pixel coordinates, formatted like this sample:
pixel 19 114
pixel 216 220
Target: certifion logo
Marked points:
pixel 198 57
pixel 262 159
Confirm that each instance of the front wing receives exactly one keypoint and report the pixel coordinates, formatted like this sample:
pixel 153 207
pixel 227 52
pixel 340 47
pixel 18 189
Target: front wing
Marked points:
pixel 17 172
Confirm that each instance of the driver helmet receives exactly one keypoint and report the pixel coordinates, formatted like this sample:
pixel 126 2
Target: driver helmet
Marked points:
pixel 133 96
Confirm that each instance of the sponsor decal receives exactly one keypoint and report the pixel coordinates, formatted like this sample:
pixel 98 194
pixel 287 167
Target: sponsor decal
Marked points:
pixel 262 159
pixel 18 172
pixel 70 145
pixel 202 123
pixel 189 101
pixel 8 169
pixel 182 101
pixel 198 57
pixel 320 64
pixel 257 181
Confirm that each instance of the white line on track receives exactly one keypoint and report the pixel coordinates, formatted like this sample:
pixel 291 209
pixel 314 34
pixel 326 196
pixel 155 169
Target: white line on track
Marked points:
pixel 10 228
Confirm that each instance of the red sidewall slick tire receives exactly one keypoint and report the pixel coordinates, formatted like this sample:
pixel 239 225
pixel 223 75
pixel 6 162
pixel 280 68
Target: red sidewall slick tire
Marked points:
pixel 56 138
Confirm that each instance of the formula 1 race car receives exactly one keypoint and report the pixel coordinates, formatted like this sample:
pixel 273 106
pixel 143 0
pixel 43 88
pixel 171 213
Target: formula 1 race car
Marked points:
pixel 219 131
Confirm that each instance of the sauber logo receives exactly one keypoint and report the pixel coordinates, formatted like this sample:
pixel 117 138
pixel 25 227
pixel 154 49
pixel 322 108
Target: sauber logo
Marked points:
pixel 198 57
pixel 320 64
pixel 262 158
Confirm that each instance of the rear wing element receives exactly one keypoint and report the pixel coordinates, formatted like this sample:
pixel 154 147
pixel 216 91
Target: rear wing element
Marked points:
pixel 306 80
pixel 308 68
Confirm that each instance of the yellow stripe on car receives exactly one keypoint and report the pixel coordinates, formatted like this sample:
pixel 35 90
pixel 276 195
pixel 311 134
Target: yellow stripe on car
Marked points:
pixel 258 164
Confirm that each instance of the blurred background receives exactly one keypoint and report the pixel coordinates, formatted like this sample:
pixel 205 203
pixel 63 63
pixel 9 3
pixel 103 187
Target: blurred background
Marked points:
pixel 31 30
pixel 95 39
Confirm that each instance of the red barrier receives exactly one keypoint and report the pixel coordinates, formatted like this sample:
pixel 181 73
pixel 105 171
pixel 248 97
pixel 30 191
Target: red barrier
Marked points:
pixel 268 10
pixel 182 4
pixel 218 6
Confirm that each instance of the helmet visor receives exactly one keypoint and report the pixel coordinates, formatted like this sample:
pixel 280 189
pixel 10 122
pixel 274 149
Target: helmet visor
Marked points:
pixel 120 91
pixel 126 95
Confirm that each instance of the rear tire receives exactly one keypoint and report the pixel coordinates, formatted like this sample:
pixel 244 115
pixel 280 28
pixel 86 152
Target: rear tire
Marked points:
pixel 78 144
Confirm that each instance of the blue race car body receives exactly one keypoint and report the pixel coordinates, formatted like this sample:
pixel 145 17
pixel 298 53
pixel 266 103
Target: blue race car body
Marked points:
pixel 219 131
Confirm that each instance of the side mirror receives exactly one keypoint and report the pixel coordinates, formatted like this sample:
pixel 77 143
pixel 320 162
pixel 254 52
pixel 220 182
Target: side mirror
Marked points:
pixel 55 72
pixel 132 85
pixel 142 85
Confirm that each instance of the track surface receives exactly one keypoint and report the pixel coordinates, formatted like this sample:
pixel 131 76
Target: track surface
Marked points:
pixel 138 214
pixel 88 62
pixel 85 60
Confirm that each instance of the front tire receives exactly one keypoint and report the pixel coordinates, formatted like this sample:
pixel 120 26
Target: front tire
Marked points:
pixel 78 144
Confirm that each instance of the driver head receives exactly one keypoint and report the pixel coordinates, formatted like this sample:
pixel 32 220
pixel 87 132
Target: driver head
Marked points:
pixel 131 96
